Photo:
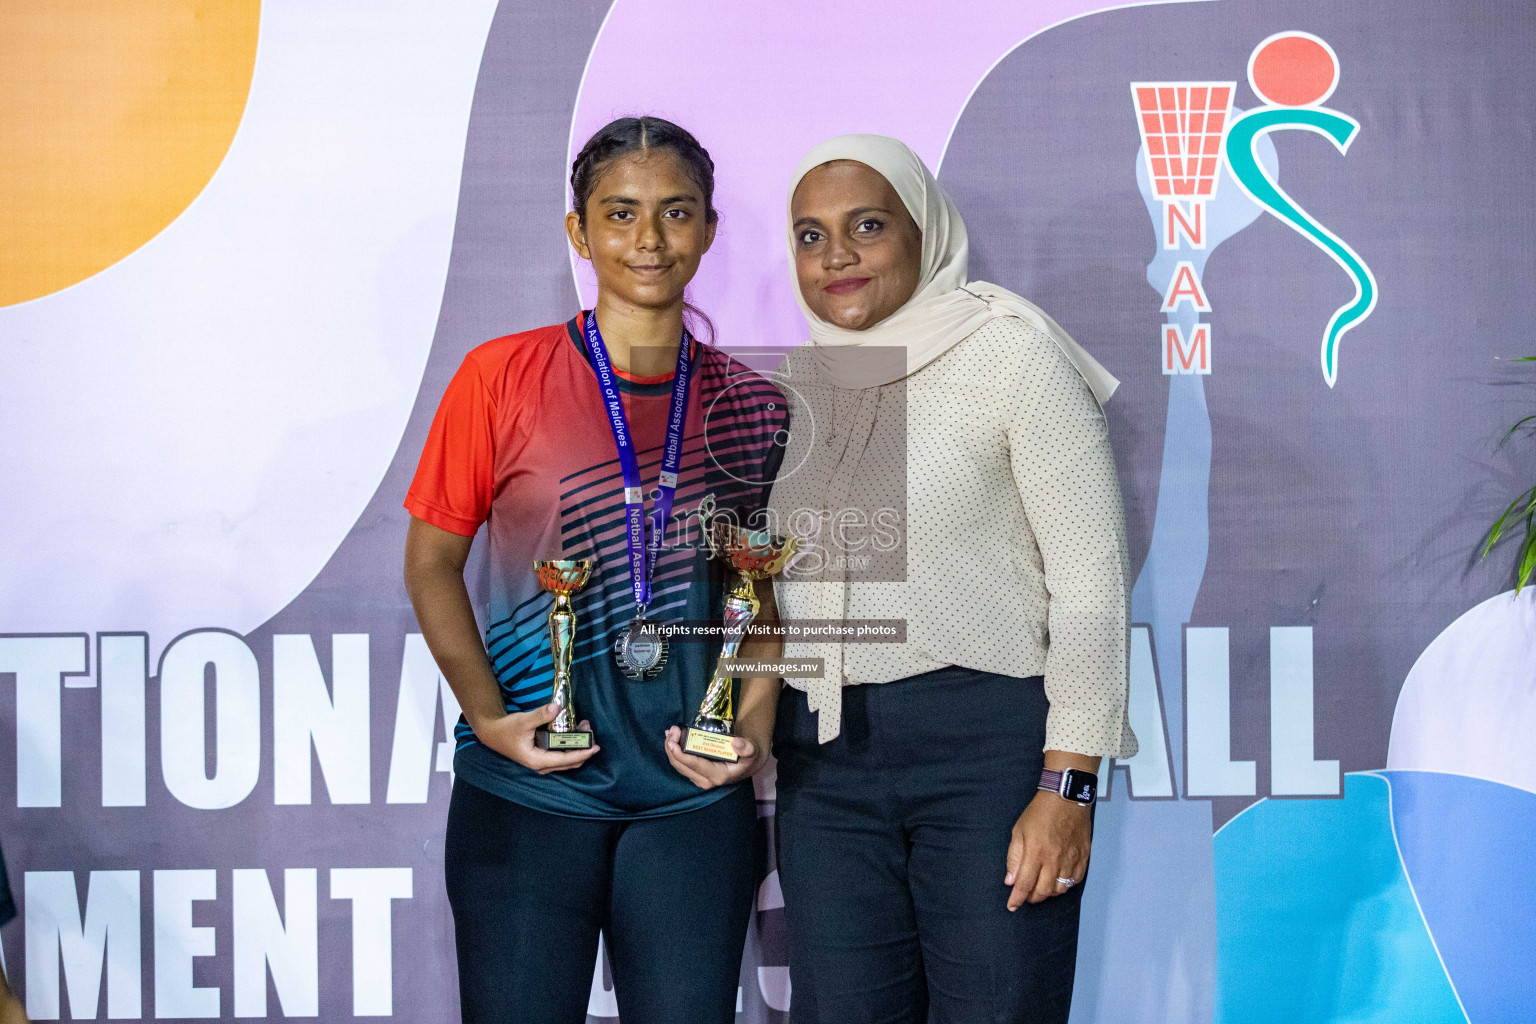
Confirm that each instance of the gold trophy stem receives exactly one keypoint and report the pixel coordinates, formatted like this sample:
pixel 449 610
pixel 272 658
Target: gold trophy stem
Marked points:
pixel 716 714
pixel 754 556
pixel 562 639
pixel 562 579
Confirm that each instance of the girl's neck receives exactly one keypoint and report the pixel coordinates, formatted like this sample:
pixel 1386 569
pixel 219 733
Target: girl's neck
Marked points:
pixel 641 341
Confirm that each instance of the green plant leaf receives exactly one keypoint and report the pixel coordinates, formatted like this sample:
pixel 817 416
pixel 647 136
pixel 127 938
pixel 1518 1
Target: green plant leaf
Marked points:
pixel 1527 557
pixel 1520 424
pixel 1497 529
pixel 1522 508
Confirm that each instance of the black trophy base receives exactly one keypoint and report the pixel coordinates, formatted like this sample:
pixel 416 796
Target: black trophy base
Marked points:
pixel 544 739
pixel 712 745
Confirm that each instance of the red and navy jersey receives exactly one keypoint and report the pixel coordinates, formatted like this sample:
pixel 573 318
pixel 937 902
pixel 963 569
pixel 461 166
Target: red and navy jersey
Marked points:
pixel 521 444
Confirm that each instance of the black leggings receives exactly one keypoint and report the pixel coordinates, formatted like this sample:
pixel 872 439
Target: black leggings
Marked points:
pixel 530 891
pixel 892 846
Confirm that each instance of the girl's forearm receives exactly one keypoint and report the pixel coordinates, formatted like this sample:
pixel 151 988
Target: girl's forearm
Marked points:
pixel 434 578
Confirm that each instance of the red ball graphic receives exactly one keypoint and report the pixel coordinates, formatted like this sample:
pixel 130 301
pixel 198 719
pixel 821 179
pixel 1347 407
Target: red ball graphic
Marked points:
pixel 1293 69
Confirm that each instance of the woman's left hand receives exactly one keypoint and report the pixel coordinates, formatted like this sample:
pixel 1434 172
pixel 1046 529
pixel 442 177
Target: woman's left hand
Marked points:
pixel 1051 840
pixel 707 774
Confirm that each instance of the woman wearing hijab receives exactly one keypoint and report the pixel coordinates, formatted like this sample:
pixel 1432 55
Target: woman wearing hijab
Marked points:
pixel 934 829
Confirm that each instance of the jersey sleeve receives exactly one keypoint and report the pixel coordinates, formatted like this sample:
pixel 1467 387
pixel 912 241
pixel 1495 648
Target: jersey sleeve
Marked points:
pixel 455 479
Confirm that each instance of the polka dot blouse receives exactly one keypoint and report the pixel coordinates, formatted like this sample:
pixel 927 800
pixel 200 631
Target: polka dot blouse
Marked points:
pixel 1011 554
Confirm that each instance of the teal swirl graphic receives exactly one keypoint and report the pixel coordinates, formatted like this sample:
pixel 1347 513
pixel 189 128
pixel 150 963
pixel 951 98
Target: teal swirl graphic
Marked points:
pixel 1250 174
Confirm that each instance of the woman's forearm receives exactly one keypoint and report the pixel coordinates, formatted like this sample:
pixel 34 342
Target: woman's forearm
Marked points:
pixel 1061 760
pixel 434 579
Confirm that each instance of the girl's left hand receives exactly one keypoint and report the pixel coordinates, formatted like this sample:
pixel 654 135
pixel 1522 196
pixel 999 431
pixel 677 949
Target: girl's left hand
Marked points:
pixel 707 774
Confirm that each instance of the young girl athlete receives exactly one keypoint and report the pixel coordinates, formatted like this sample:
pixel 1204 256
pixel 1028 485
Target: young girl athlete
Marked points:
pixel 551 439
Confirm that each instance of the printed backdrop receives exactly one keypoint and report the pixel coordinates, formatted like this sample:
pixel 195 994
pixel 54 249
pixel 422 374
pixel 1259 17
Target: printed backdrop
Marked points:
pixel 243 245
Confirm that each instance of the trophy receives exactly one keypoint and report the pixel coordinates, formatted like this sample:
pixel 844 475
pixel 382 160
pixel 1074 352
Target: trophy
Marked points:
pixel 562 578
pixel 755 555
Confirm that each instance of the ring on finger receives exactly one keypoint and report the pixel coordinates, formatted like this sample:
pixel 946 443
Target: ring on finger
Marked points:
pixel 1068 882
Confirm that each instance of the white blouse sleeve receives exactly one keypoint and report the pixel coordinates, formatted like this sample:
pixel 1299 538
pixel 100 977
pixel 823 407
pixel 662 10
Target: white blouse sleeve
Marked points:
pixel 1065 472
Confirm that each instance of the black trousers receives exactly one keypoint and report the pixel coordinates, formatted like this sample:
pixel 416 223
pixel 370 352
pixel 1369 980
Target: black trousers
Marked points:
pixel 892 846
pixel 530 891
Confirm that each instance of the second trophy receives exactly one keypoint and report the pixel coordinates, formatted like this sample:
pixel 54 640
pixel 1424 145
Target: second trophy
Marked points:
pixel 562 578
pixel 755 555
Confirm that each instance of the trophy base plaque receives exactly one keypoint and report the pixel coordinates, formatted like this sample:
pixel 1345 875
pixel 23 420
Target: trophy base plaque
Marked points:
pixel 713 745
pixel 546 740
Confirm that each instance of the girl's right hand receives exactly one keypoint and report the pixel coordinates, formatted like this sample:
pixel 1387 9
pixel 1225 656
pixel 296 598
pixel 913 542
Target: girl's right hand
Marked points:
pixel 511 736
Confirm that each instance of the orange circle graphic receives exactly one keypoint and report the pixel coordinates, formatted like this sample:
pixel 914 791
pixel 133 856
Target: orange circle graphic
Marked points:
pixel 1293 71
pixel 113 117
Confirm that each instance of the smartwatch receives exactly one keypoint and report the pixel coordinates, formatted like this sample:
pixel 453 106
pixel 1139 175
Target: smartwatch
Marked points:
pixel 1073 784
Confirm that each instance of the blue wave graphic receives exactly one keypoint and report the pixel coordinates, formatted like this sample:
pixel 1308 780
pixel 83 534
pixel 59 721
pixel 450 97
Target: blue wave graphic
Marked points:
pixel 1317 922
pixel 1469 847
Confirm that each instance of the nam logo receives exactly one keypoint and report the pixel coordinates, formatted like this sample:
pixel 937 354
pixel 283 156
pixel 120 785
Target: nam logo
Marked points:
pixel 1206 170
pixel 1190 134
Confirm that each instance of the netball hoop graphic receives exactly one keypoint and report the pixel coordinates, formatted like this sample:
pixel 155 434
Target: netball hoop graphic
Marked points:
pixel 1182 125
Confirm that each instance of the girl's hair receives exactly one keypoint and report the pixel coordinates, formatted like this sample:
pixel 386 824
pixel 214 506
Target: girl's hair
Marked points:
pixel 641 135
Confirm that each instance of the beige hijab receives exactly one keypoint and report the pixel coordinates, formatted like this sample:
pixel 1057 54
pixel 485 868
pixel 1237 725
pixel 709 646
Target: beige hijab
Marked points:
pixel 946 308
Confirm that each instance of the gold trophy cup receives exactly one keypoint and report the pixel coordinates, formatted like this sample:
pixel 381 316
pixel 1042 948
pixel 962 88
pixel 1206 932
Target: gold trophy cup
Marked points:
pixel 562 578
pixel 755 555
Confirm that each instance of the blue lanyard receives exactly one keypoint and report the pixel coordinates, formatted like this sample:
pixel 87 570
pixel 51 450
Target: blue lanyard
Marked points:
pixel 643 551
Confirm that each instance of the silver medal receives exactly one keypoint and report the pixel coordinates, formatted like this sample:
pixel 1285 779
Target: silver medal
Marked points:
pixel 640 650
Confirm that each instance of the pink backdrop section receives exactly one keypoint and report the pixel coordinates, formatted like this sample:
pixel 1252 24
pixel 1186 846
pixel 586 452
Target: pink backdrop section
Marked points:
pixel 760 83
